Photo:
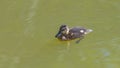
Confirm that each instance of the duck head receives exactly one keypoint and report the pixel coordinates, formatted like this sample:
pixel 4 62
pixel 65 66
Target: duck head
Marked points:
pixel 62 30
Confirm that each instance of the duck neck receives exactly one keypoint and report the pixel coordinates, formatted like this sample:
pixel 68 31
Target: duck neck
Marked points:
pixel 67 32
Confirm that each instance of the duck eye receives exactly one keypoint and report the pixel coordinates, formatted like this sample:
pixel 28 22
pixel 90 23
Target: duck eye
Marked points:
pixel 63 29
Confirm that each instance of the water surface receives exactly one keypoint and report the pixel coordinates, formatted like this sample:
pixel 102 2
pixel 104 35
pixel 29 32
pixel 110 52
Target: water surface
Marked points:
pixel 28 27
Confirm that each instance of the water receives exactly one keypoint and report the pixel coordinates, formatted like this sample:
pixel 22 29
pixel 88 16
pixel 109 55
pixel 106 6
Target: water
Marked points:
pixel 28 27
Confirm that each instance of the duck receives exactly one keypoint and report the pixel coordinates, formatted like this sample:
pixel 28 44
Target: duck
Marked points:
pixel 66 34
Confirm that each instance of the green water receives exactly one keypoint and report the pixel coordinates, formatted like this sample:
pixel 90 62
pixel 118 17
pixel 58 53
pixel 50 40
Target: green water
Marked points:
pixel 28 27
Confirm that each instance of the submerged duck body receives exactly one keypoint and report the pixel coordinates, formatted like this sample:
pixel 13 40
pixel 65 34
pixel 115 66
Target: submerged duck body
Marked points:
pixel 66 33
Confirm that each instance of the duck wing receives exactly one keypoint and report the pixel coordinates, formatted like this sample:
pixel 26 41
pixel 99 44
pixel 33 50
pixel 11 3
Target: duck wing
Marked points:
pixel 77 32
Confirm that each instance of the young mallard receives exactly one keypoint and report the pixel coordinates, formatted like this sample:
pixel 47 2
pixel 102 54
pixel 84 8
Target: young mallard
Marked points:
pixel 66 33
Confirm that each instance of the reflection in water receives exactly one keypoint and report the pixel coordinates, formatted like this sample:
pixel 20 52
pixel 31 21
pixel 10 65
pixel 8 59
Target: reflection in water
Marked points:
pixel 32 11
pixel 82 56
pixel 109 59
pixel 62 53
pixel 29 25
pixel 11 62
pixel 105 52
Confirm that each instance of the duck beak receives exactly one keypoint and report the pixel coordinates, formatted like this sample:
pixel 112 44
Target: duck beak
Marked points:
pixel 88 31
pixel 58 34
